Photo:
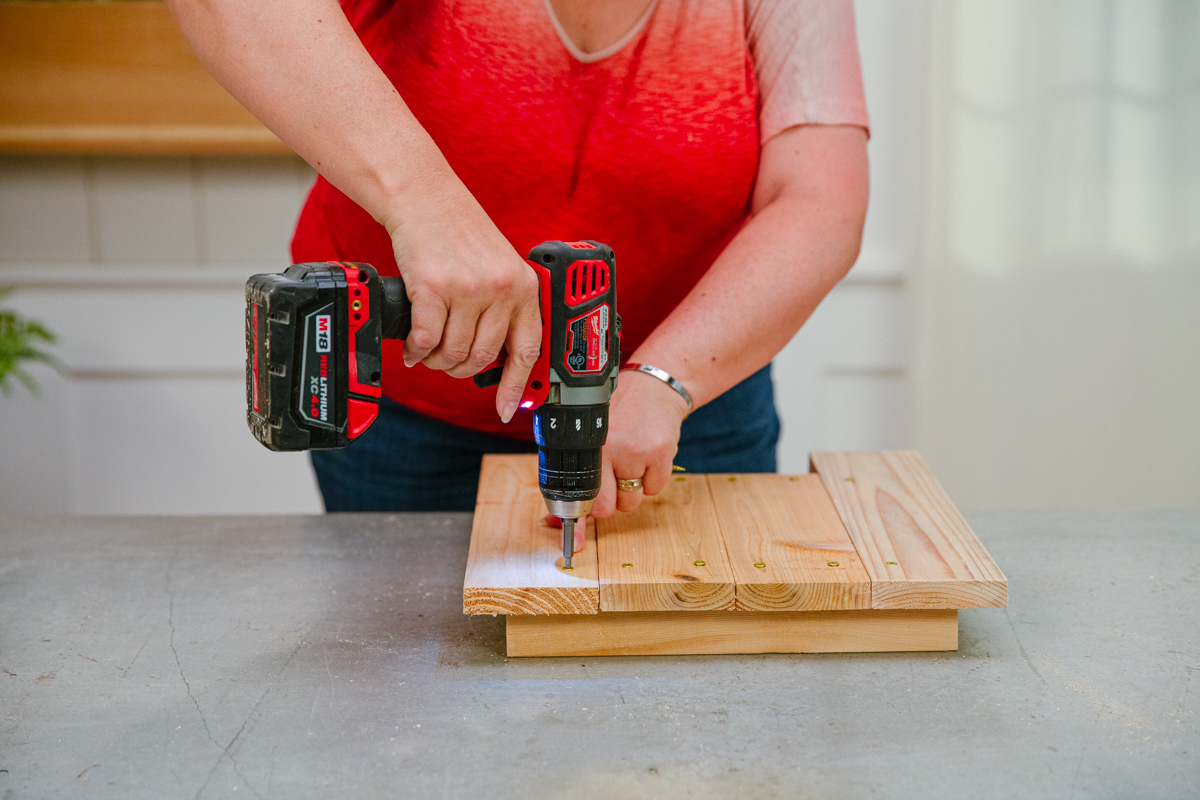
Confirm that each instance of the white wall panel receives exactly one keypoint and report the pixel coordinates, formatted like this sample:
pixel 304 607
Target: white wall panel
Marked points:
pixel 43 209
pixel 176 446
pixel 249 208
pixel 861 326
pixel 34 447
pixel 157 329
pixel 863 411
pixel 144 210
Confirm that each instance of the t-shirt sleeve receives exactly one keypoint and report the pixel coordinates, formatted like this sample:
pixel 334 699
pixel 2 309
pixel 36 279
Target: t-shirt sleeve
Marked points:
pixel 806 63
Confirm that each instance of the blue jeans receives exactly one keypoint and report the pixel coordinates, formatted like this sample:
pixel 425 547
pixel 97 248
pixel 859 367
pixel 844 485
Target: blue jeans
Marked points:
pixel 410 462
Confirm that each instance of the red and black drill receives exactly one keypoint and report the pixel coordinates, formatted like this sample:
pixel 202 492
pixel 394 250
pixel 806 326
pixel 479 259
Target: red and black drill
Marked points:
pixel 314 362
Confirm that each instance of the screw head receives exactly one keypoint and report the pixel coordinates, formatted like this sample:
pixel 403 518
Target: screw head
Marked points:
pixel 568 569
pixel 894 563
pixel 732 478
pixel 698 563
pixel 849 480
pixel 834 564
pixel 760 565
pixel 626 566
pixel 794 478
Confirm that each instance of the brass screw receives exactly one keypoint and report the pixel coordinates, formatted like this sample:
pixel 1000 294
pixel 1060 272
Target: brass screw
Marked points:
pixel 732 478
pixel 894 563
pixel 626 566
pixel 356 305
pixel 698 563
pixel 794 478
pixel 681 479
pixel 677 468
pixel 760 565
pixel 833 564
pixel 849 480
pixel 568 569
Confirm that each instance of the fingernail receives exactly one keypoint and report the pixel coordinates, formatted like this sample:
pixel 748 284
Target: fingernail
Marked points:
pixel 408 362
pixel 509 410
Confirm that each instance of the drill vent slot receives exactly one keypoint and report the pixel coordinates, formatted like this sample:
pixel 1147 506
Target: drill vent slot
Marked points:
pixel 585 280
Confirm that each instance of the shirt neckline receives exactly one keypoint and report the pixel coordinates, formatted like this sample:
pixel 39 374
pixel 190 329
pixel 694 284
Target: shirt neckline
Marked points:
pixel 599 55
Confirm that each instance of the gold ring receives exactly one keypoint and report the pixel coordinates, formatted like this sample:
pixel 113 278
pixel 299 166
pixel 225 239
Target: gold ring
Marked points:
pixel 630 485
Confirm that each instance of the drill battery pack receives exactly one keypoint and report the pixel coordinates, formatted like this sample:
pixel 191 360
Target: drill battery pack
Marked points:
pixel 314 352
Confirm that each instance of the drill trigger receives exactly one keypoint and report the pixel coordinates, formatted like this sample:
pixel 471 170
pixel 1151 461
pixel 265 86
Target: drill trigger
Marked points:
pixel 489 377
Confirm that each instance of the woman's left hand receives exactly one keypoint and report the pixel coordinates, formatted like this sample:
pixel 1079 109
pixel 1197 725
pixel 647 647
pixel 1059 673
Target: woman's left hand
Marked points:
pixel 644 419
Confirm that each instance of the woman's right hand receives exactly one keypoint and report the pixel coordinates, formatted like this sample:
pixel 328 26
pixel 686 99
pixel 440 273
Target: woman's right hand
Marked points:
pixel 472 293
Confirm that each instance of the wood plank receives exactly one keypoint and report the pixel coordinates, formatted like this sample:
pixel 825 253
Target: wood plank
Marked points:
pixel 668 555
pixel 88 77
pixel 506 478
pixel 788 525
pixel 707 632
pixel 515 564
pixel 916 546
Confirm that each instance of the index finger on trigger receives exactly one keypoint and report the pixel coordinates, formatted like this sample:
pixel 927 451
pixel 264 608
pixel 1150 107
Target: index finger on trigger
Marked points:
pixel 524 346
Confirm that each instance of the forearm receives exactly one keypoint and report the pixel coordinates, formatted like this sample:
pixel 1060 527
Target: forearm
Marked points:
pixel 299 67
pixel 803 237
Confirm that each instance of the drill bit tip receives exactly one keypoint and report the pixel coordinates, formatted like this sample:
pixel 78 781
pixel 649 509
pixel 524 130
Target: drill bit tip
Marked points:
pixel 568 541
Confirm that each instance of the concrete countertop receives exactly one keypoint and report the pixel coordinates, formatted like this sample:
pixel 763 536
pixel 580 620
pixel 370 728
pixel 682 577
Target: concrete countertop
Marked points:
pixel 293 657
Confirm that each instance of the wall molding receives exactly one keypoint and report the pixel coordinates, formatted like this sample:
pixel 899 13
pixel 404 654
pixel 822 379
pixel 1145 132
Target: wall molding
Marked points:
pixel 870 270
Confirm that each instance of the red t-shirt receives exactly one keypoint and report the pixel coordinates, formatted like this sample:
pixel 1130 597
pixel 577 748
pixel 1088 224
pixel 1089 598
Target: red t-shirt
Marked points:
pixel 650 146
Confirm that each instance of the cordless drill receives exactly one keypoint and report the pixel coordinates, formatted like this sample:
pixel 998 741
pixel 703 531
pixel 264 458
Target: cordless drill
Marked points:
pixel 314 362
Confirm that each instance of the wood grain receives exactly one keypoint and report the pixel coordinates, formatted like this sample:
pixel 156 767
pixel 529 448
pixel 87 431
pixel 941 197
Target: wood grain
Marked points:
pixel 668 555
pixel 707 632
pixel 914 543
pixel 514 565
pixel 787 523
pixel 506 478
pixel 112 78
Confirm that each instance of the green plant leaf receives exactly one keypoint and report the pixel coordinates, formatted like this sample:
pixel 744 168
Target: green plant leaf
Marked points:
pixel 18 340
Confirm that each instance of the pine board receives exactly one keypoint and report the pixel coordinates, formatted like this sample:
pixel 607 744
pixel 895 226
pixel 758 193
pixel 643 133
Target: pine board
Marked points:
pixel 514 564
pixel 787 523
pixel 668 555
pixel 707 633
pixel 914 543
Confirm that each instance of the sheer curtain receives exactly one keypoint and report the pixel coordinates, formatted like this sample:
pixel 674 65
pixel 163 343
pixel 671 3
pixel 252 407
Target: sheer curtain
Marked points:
pixel 1058 294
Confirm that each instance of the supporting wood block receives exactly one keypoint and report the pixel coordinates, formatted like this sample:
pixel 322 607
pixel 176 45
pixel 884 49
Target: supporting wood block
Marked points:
pixel 709 633
pixel 667 555
pixel 515 564
pixel 916 546
pixel 787 547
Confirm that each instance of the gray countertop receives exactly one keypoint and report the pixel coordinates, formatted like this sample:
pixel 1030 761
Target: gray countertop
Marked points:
pixel 293 657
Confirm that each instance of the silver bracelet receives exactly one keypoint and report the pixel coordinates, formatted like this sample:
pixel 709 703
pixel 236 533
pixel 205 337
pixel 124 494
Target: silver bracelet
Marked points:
pixel 666 378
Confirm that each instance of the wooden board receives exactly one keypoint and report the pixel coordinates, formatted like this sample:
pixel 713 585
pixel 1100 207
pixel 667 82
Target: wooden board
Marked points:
pixel 786 546
pixel 507 478
pixel 915 545
pixel 704 632
pixel 668 555
pixel 84 77
pixel 514 565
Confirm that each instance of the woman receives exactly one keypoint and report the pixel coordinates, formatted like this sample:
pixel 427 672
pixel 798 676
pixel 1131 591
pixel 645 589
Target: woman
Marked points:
pixel 718 146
